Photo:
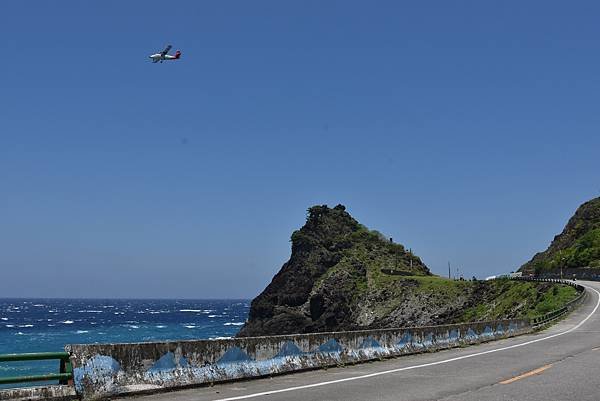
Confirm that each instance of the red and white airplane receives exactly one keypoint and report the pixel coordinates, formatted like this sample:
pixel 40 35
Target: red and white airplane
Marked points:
pixel 164 56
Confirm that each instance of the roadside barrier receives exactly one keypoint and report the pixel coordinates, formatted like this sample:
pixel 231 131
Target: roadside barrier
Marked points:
pixel 543 320
pixel 64 376
pixel 105 370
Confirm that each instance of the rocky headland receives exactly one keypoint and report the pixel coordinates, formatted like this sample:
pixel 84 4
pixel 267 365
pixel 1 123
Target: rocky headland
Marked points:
pixel 343 276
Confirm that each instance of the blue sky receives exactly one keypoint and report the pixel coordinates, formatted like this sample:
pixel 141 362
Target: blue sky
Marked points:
pixel 467 131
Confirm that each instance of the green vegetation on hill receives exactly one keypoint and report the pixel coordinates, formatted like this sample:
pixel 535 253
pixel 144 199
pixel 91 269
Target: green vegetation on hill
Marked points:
pixel 343 276
pixel 578 246
pixel 518 299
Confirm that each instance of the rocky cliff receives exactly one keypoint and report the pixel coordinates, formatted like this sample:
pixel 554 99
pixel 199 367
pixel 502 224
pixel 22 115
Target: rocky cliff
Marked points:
pixel 342 276
pixel 578 246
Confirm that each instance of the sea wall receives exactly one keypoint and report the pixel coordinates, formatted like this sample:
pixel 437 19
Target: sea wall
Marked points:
pixel 103 370
pixel 49 393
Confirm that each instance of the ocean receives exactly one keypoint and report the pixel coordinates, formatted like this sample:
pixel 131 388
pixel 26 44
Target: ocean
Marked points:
pixel 42 325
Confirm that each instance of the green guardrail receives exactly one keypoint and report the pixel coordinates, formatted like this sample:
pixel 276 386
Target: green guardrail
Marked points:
pixel 65 375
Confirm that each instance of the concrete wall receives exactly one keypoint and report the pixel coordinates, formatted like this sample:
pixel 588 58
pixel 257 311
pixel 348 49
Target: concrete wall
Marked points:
pixel 51 393
pixel 101 370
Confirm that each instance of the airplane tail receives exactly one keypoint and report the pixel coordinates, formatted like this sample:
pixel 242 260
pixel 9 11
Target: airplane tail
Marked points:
pixel 177 54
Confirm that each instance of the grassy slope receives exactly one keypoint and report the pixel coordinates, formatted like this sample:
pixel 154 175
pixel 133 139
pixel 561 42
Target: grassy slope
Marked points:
pixel 519 299
pixel 501 298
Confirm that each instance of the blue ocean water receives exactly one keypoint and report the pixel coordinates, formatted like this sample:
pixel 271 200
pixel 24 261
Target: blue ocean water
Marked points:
pixel 40 325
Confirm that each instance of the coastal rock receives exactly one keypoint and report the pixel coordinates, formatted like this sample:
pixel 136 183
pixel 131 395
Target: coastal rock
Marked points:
pixel 576 247
pixel 327 278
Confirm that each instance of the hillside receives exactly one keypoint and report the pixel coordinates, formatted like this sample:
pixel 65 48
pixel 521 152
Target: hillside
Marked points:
pixel 342 276
pixel 578 246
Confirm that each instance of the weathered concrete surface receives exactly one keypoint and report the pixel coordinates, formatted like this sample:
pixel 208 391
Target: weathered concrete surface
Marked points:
pixel 53 393
pixel 570 350
pixel 102 370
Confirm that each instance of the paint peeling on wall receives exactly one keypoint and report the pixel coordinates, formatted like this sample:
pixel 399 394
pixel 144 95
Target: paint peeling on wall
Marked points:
pixel 103 370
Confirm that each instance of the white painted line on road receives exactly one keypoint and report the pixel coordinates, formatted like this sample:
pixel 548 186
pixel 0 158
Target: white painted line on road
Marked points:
pixel 423 365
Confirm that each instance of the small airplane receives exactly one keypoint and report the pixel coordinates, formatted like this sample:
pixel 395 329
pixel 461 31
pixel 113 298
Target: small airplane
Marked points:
pixel 164 56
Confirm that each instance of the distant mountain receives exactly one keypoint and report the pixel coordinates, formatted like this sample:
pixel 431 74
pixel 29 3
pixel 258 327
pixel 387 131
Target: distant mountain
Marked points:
pixel 578 246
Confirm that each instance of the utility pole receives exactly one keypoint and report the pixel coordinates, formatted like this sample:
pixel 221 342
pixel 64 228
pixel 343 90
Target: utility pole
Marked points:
pixel 449 274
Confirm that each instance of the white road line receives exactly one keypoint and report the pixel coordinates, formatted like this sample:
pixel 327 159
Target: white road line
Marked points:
pixel 424 365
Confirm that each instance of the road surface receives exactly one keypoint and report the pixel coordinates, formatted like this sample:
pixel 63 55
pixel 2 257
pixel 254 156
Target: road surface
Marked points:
pixel 560 363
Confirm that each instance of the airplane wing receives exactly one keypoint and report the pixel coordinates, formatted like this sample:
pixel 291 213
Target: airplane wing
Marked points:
pixel 166 50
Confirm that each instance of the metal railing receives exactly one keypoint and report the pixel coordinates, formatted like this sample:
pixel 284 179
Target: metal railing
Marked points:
pixel 65 375
pixel 545 319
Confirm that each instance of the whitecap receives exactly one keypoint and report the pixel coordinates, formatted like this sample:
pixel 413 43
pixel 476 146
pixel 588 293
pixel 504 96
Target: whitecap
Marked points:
pixel 211 316
pixel 3 318
pixel 82 331
pixel 132 326
pixel 10 325
pixel 67 322
pixel 51 325
pixel 233 324
pixel 190 310
pixel 25 325
pixel 39 305
pixel 160 326
pixel 90 311
pixel 219 338
pixel 189 326
pixel 19 334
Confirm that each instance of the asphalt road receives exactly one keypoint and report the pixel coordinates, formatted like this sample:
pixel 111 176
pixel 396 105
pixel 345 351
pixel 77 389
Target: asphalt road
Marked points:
pixel 560 363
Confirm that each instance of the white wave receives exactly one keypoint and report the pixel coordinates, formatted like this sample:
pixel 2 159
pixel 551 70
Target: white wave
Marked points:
pixel 160 326
pixel 9 325
pixel 19 334
pixel 219 338
pixel 67 322
pixel 189 326
pixel 208 310
pixel 233 324
pixel 132 326
pixel 119 313
pixel 51 325
pixel 82 331
pixel 25 325
pixel 211 316
pixel 93 323
pixel 3 318
pixel 39 305
pixel 190 310
pixel 90 311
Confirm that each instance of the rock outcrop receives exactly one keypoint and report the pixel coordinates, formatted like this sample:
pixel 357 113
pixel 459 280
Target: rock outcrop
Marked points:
pixel 323 284
pixel 578 246
pixel 342 276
